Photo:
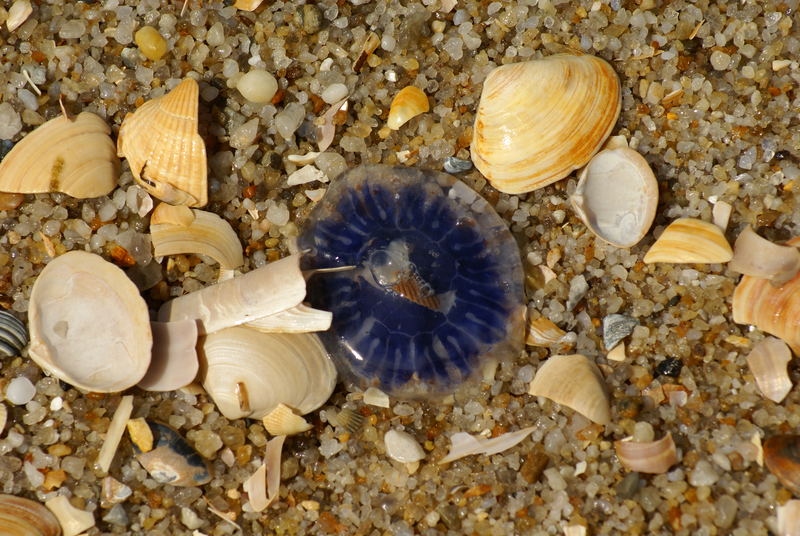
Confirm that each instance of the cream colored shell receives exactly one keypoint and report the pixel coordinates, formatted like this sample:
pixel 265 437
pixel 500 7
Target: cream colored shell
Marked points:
pixel 74 156
pixel 166 154
pixel 206 234
pixel 617 196
pixel 653 457
pixel 767 361
pixel 248 373
pixel 688 240
pixel 88 324
pixel 576 382
pixel 539 120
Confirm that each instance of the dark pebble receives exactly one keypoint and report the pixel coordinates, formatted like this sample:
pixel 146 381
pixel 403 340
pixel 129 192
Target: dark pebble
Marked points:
pixel 669 367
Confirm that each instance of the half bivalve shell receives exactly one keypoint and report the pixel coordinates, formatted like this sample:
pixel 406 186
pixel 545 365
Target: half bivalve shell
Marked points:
pixel 248 373
pixel 687 240
pixel 767 361
pixel 89 326
pixel 576 382
pixel 758 257
pixel 539 120
pixel 166 154
pixel 407 104
pixel 13 334
pixel 23 517
pixel 653 457
pixel 616 197
pixel 71 155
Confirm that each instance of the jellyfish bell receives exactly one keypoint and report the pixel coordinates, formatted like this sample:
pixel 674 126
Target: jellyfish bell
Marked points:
pixel 437 288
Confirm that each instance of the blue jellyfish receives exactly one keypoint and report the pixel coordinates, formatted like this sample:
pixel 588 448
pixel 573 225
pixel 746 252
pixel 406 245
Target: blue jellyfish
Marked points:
pixel 435 284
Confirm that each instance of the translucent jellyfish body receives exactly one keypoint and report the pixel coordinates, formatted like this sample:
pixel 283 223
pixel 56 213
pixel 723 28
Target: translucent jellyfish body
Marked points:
pixel 436 285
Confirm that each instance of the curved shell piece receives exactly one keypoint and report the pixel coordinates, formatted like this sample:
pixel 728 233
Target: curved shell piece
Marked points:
pixel 248 373
pixel 88 324
pixel 543 332
pixel 687 240
pixel 539 120
pixel 173 461
pixel 616 197
pixel 576 382
pixel 174 360
pixel 767 361
pixel 654 457
pixel 407 104
pixel 13 334
pixel 774 309
pixel 23 517
pixel 165 213
pixel 283 421
pixel 781 456
pixel 788 518
pixel 207 234
pixel 166 154
pixel 757 256
pixel 74 156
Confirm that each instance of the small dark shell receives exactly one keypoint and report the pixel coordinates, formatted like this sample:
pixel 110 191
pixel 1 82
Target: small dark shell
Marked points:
pixel 23 517
pixel 13 334
pixel 782 456
pixel 173 461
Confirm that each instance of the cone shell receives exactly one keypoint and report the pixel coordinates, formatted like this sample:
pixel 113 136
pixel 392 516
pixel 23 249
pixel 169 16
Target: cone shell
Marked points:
pixel 654 457
pixel 23 517
pixel 687 240
pixel 166 154
pixel 539 120
pixel 74 156
pixel 576 382
pixel 407 104
pixel 775 310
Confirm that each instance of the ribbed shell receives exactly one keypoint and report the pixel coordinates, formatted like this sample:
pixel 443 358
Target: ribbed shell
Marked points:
pixel 13 334
pixel 539 120
pixel 70 155
pixel 166 154
pixel 688 240
pixel 23 517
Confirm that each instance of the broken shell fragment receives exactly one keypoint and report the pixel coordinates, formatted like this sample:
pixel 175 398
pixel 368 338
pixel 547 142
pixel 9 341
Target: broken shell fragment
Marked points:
pixel 70 155
pixel 88 324
pixel 653 457
pixel 174 360
pixel 402 447
pixel 166 154
pixel 113 491
pixel 207 234
pixel 775 310
pixel 114 434
pixel 299 319
pixel 616 196
pixel 576 382
pixel 165 213
pixel 687 240
pixel 274 368
pixel 782 457
pixel 789 518
pixel 407 104
pixel 23 517
pixel 13 334
pixel 284 421
pixel 543 332
pixel 539 120
pixel 18 13
pixel 72 520
pixel 767 361
pixel 173 461
pixel 758 257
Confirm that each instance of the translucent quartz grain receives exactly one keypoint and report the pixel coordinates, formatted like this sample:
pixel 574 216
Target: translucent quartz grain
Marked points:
pixel 150 43
pixel 257 86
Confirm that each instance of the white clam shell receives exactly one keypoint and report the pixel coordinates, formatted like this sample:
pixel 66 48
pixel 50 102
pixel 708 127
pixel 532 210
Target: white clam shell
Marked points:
pixel 767 361
pixel 576 382
pixel 617 196
pixel 265 369
pixel 402 447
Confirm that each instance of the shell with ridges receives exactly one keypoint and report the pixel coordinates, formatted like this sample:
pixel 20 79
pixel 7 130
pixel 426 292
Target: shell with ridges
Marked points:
pixel 293 369
pixel 687 240
pixel 70 155
pixel 767 361
pixel 757 256
pixel 653 457
pixel 207 234
pixel 576 382
pixel 543 332
pixel 13 334
pixel 23 517
pixel 284 421
pixel 616 196
pixel 166 154
pixel 539 120
pixel 407 104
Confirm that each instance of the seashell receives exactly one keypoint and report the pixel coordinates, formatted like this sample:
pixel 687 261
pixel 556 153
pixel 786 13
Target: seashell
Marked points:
pixel 616 196
pixel 266 369
pixel 721 214
pixel 166 154
pixel 113 491
pixel 436 291
pixel 168 214
pixel 114 434
pixel 402 447
pixel 72 520
pixel 767 361
pixel 539 120
pixel 172 461
pixel 782 457
pixel 758 257
pixel 298 319
pixel 174 359
pixel 408 103
pixel 70 155
pixel 615 328
pixel 788 518
pixel 687 240
pixel 3 417
pixel 247 5
pixel 18 13
pixel 652 457
pixel 284 421
pixel 13 334
pixel 617 353
pixel 574 530
pixel 775 310
pixel 88 324
pixel 576 382
pixel 350 420
pixel 375 397
pixel 207 234
pixel 23 517
pixel 463 444
pixel 543 332
pixel 140 433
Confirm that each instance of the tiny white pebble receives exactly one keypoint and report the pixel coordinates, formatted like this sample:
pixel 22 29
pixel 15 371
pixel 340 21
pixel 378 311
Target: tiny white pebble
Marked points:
pixel 56 404
pixel 777 65
pixel 20 391
pixel 304 175
pixel 402 447
pixel 257 86
pixel 334 93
